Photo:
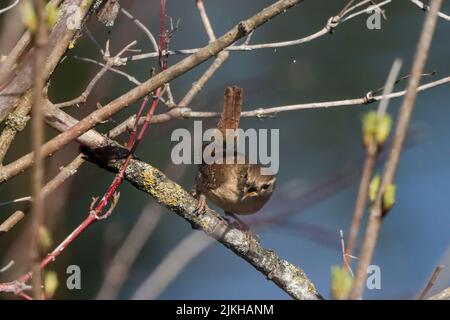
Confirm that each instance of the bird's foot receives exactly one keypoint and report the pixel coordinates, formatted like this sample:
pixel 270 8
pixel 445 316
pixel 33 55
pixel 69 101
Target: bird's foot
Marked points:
pixel 201 206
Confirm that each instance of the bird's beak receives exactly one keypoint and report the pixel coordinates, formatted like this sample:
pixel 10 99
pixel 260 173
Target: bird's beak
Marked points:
pixel 249 195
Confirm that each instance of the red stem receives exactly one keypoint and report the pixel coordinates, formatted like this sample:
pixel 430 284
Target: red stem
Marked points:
pixel 132 144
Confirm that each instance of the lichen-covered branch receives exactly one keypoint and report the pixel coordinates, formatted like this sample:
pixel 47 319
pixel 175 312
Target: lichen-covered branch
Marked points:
pixel 284 274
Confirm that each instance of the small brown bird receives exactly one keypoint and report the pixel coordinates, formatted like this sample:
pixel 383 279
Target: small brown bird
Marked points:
pixel 237 188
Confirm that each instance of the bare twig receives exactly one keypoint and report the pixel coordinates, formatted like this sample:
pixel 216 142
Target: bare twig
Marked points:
pixel 18 200
pixel 373 7
pixel 195 89
pixel 83 97
pixel 60 38
pixel 120 72
pixel 331 25
pixel 262 112
pixel 218 62
pixel 11 221
pixel 345 255
pixel 64 173
pixel 96 117
pixel 142 27
pixel 7 267
pixel 431 282
pixel 407 107
pixel 206 24
pixel 425 7
pixel 7 8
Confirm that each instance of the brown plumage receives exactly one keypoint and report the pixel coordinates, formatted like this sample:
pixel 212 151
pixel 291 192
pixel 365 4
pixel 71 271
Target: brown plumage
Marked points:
pixel 237 188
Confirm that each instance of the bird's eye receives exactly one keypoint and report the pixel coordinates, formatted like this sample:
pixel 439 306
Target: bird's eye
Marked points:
pixel 251 189
pixel 265 186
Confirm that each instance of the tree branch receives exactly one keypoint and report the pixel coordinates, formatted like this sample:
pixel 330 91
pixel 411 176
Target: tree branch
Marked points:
pixel 96 117
pixel 285 275
pixel 406 109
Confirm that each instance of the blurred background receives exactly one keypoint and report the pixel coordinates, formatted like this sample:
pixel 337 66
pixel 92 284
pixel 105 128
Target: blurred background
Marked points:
pixel 320 152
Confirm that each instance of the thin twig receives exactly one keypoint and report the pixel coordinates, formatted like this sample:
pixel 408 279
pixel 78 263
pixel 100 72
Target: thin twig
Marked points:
pixel 262 112
pixel 218 62
pixel 206 24
pixel 37 138
pixel 425 7
pixel 407 107
pixel 96 117
pixel 63 174
pixel 120 72
pixel 11 221
pixel 373 7
pixel 332 24
pixel 84 95
pixel 7 8
pixel 142 27
pixel 431 282
pixel 61 37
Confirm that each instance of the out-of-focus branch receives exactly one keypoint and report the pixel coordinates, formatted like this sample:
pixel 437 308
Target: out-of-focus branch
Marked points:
pixel 37 140
pixel 118 268
pixel 218 62
pixel 64 173
pixel 372 148
pixel 171 265
pixel 406 109
pixel 59 40
pixel 96 117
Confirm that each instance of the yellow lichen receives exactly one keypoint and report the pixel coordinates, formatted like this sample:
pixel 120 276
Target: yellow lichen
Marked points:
pixel 148 180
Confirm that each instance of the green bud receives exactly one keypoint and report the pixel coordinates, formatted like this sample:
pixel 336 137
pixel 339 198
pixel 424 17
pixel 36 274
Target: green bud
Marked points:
pixel 384 125
pixel 45 238
pixel 389 197
pixel 341 282
pixel 28 14
pixel 369 127
pixel 51 14
pixel 51 283
pixel 373 187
